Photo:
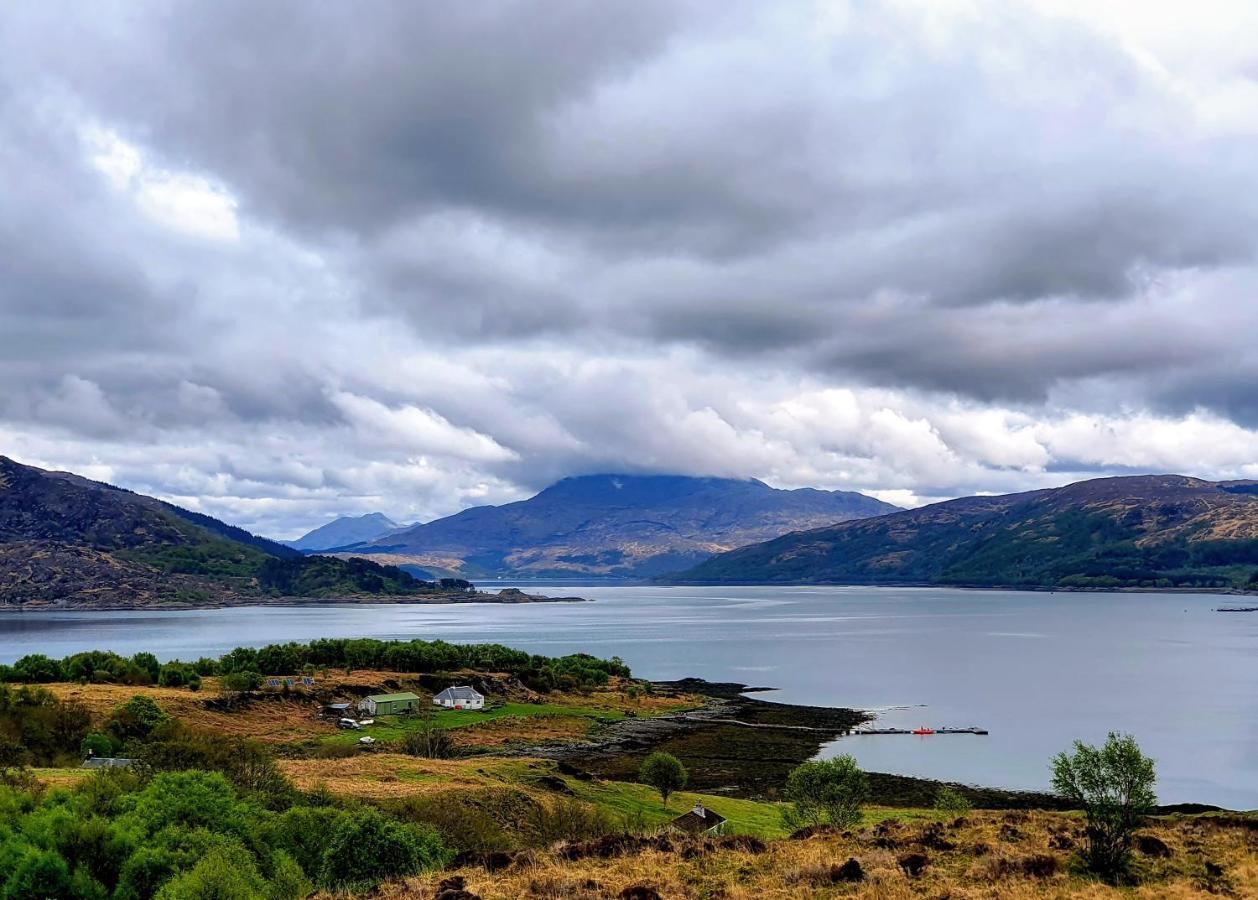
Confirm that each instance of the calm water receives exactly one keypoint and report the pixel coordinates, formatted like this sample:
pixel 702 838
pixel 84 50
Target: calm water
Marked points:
pixel 1038 670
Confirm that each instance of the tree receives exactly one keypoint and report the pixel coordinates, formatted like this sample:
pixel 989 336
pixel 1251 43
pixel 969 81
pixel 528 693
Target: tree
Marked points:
pixel 96 745
pixel 830 790
pixel 664 772
pixel 951 801
pixel 1114 785
pixel 366 848
pixel 428 739
pixel 136 719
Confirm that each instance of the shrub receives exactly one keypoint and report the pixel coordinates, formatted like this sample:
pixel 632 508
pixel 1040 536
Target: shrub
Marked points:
pixel 1114 785
pixel 951 801
pixel 96 745
pixel 367 848
pixel 664 772
pixel 136 719
pixel 429 740
pixel 226 873
pixel 830 790
pixel 567 819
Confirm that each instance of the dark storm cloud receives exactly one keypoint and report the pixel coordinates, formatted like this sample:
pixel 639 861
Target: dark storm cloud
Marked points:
pixel 451 252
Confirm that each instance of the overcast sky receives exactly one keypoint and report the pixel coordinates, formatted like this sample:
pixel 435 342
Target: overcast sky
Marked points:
pixel 282 261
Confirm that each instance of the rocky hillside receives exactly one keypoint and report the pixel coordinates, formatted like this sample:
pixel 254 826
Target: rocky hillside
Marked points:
pixel 80 544
pixel 617 525
pixel 1159 531
pixel 344 531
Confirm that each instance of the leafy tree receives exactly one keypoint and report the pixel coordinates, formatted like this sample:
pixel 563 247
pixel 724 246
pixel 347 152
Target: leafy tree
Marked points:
pixel 136 719
pixel 951 801
pixel 241 682
pixel 37 873
pixel 830 790
pixel 664 772
pixel 13 756
pixel 368 848
pixel 96 745
pixel 225 873
pixel 1114 785
pixel 148 664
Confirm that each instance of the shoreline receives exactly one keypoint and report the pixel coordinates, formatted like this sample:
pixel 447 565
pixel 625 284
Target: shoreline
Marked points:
pixel 745 747
pixel 518 597
pixel 1231 592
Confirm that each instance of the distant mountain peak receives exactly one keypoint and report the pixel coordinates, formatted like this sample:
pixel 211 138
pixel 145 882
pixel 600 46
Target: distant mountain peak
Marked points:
pixel 617 524
pixel 344 531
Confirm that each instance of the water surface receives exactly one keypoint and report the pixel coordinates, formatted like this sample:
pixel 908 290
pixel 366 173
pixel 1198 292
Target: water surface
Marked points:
pixel 1038 670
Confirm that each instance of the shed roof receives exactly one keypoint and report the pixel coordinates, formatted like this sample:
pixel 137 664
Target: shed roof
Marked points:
pixel 386 698
pixel 107 762
pixel 460 692
pixel 697 820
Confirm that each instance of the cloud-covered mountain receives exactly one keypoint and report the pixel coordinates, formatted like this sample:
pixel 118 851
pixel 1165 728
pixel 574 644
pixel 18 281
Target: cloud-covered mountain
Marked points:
pixel 343 531
pixel 1138 531
pixel 617 525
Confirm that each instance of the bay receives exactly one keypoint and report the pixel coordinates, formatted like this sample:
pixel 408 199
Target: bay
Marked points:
pixel 1037 670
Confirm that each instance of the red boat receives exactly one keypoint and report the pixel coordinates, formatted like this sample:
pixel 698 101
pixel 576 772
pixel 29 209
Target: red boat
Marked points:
pixel 923 730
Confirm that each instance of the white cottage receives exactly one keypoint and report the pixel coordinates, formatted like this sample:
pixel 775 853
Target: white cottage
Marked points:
pixel 459 697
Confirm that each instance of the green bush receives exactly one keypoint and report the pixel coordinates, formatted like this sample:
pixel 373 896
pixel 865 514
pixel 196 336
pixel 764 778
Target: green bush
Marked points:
pixel 830 790
pixel 951 801
pixel 96 745
pixel 367 848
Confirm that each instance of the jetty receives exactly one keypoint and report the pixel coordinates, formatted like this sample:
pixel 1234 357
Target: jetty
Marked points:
pixel 972 729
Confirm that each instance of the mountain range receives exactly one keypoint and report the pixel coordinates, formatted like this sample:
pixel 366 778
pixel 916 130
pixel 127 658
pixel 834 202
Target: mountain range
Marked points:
pixel 614 526
pixel 75 543
pixel 1156 531
pixel 344 531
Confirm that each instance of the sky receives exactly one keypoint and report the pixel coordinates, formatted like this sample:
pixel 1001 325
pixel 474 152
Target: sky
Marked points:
pixel 285 261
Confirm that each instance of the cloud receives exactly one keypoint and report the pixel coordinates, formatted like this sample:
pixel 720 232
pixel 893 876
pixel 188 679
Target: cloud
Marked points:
pixel 416 257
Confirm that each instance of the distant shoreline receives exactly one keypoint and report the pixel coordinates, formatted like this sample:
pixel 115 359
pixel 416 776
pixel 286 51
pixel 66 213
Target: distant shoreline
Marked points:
pixel 511 597
pixel 1030 589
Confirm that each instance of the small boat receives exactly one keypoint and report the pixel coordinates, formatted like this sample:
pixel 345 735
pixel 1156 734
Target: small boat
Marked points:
pixel 923 730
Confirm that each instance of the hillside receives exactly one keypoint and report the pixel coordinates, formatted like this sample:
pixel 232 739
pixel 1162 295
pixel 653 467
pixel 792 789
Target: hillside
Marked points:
pixel 1161 531
pixel 617 525
pixel 343 531
pixel 81 544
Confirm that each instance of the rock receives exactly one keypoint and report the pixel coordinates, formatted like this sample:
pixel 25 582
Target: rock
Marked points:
pixel 640 892
pixel 914 864
pixel 1151 845
pixel 454 888
pixel 1010 834
pixel 850 872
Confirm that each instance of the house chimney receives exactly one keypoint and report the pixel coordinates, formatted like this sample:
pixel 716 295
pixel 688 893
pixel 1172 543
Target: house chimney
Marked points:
pixel 700 811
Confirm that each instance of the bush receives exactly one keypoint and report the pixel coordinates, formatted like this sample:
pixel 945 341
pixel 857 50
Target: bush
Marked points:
pixel 226 873
pixel 1114 785
pixel 136 719
pixel 567 819
pixel 951 801
pixel 664 772
pixel 96 745
pixel 830 790
pixel 429 740
pixel 367 848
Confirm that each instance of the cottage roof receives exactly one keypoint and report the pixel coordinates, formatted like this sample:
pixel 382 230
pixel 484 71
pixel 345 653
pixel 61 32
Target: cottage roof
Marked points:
pixel 459 692
pixel 107 762
pixel 698 820
pixel 386 698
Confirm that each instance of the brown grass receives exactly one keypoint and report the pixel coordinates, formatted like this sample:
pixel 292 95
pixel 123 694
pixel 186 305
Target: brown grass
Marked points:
pixel 391 776
pixel 982 863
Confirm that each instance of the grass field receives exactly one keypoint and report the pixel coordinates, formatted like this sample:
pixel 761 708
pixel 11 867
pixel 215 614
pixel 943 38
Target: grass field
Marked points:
pixel 987 856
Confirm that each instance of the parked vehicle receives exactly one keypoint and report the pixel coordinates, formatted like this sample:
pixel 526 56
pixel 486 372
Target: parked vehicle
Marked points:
pixel 348 725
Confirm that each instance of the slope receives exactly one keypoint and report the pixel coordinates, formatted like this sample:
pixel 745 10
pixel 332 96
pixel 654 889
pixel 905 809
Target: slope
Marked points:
pixel 617 525
pixel 1160 531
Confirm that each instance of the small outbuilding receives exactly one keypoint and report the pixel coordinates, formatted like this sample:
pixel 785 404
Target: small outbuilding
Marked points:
pixel 108 762
pixel 460 697
pixel 335 710
pixel 389 704
pixel 699 821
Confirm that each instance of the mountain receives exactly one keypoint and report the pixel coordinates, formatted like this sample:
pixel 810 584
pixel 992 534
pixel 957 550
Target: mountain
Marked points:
pixel 81 544
pixel 345 531
pixel 616 525
pixel 1159 531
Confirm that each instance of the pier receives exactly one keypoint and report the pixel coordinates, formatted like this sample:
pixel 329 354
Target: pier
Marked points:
pixel 921 732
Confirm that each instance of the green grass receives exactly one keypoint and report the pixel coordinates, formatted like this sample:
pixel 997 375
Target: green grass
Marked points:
pixel 394 728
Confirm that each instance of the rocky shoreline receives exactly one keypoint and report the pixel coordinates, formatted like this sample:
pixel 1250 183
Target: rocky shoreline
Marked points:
pixel 744 746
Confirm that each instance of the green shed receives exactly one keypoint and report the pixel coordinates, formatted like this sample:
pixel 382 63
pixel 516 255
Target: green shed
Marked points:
pixel 389 704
